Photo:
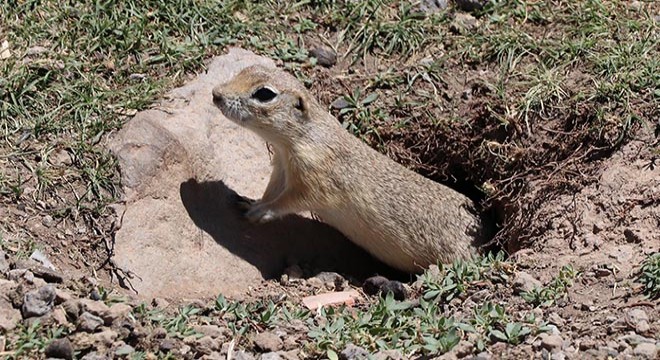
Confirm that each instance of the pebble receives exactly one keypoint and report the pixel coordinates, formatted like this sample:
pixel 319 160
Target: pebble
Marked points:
pixel 96 308
pixel 168 345
pixel 353 352
pixel 116 312
pixel 242 355
pixel 4 262
pixel 325 56
pixel 432 6
pixel 123 350
pixel 646 351
pixel 160 303
pixel 59 316
pixel 639 320
pixel 62 296
pixel 551 342
pixel 213 331
pixel 270 356
pixel 207 345
pixel 106 337
pixel 38 302
pixel 94 356
pixel 88 322
pixel 523 282
pixel 72 308
pixel 482 356
pixel 60 348
pixel 396 288
pixel 267 341
pixel 372 285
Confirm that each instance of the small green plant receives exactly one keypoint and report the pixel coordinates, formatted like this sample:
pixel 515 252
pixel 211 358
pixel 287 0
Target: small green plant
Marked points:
pixel 546 296
pixel 456 279
pixel 33 338
pixel 649 276
pixel 514 333
pixel 356 114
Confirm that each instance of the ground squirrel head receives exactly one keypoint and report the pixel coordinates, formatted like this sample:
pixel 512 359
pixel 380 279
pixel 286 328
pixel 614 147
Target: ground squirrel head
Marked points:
pixel 268 101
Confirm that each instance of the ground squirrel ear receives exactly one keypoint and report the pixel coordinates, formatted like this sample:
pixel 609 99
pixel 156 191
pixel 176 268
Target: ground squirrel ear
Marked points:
pixel 301 103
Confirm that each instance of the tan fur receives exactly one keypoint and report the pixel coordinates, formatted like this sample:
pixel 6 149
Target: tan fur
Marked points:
pixel 399 216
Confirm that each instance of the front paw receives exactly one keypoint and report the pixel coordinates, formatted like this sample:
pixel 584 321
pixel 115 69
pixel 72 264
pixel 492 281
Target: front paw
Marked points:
pixel 259 214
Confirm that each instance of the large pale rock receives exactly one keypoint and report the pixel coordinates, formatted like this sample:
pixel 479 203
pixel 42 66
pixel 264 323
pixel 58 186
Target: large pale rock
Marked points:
pixel 182 163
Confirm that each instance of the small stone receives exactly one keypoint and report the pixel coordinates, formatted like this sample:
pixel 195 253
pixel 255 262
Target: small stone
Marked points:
pixel 124 349
pixel 646 351
pixel 88 322
pixel 4 262
pixel 391 354
pixel 268 341
pixel 470 5
pixel 213 331
pixel 36 50
pixel 558 355
pixel 98 308
pixel 206 345
pixel 18 274
pixel 325 56
pixel 61 296
pixel 242 355
pixel 72 308
pixel 552 342
pixel 94 356
pixel 587 344
pixel 60 348
pixel 9 317
pixel 639 320
pixel 634 339
pixel 167 345
pixel 556 319
pixel 159 333
pixel 160 303
pixel 524 282
pixel 39 257
pixel 59 316
pixel 106 337
pixel 38 302
pixel 463 349
pixel 47 221
pixel 352 352
pixel 270 356
pixel 3 343
pixel 116 312
pixel 433 6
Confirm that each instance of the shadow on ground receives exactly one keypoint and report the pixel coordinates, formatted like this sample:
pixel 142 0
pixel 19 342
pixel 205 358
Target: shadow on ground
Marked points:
pixel 273 246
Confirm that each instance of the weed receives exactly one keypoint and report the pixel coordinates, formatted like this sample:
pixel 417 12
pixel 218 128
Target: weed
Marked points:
pixel 33 338
pixel 546 296
pixel 649 276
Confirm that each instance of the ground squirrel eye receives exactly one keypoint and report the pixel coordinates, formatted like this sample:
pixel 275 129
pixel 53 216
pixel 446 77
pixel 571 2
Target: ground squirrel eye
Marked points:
pixel 264 94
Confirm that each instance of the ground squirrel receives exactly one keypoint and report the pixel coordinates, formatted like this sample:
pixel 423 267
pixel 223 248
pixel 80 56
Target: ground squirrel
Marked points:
pixel 397 215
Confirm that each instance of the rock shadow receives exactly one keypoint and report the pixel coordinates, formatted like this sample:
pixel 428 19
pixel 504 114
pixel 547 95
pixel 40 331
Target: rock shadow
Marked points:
pixel 273 246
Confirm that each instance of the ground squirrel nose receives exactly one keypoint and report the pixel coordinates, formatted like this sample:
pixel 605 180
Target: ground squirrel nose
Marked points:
pixel 217 96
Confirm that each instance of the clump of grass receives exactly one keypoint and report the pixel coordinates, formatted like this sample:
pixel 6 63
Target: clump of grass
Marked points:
pixel 649 276
pixel 557 289
pixel 31 340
